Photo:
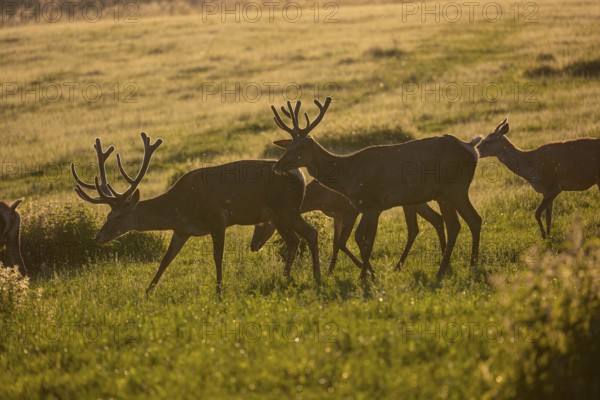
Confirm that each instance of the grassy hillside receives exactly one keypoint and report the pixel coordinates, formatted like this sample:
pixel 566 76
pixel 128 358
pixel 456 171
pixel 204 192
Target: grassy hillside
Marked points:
pixel 205 87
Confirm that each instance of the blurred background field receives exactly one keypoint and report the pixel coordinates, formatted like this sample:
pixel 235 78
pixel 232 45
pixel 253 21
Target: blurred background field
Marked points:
pixel 205 86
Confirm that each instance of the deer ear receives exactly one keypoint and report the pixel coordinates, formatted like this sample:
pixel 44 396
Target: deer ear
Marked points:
pixel 133 199
pixel 283 143
pixel 475 141
pixel 501 124
pixel 504 129
pixel 15 204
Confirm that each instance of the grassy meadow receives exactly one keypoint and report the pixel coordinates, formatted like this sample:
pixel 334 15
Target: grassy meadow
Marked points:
pixel 85 329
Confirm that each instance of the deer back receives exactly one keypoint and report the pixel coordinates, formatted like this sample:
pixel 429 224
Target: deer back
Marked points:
pixel 245 191
pixel 569 165
pixel 411 173
pixel 331 203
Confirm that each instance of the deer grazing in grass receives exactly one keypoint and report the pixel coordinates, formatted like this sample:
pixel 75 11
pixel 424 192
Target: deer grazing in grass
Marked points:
pixel 204 202
pixel 338 207
pixel 10 234
pixel 572 165
pixel 378 178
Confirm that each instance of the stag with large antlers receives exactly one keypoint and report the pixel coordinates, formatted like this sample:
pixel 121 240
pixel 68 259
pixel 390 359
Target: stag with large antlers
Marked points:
pixel 204 202
pixel 378 178
pixel 338 207
pixel 572 165
pixel 10 235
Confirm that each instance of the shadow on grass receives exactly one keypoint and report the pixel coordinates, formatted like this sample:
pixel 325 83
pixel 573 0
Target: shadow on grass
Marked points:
pixel 578 69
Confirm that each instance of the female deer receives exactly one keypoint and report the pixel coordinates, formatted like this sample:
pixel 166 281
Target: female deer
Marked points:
pixel 572 165
pixel 338 207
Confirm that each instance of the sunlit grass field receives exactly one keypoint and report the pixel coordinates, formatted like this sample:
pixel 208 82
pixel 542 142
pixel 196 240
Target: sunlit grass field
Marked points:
pixel 89 331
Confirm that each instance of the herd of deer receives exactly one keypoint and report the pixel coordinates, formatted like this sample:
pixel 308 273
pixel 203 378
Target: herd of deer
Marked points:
pixel 208 200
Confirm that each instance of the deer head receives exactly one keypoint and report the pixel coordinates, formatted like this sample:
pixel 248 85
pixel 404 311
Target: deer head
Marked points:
pixel 495 142
pixel 120 220
pixel 262 233
pixel 10 227
pixel 299 147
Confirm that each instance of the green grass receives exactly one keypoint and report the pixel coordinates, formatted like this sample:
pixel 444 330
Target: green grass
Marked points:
pixel 89 331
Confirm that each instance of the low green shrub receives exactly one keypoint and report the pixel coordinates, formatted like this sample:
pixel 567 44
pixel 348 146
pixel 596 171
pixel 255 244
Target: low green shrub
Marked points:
pixel 61 237
pixel 14 289
pixel 558 300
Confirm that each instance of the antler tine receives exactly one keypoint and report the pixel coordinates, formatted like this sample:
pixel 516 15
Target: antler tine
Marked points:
pixel 87 197
pixel 149 149
pixel 78 180
pixel 107 199
pixel 307 120
pixel 102 157
pixel 285 112
pixel 280 123
pixel 295 115
pixel 292 112
pixel 322 110
pixel 129 179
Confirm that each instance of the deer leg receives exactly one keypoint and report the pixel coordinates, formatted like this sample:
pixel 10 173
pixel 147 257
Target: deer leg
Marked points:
pixel 549 214
pixel 292 241
pixel 548 198
pixel 548 218
pixel 218 239
pixel 177 242
pixel 436 220
pixel 310 234
pixel 410 216
pixel 337 231
pixel 473 220
pixel 347 225
pixel 452 227
pixel 14 245
pixel 365 238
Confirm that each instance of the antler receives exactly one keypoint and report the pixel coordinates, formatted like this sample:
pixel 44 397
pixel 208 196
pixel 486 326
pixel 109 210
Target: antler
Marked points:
pixel 104 188
pixel 102 156
pixel 107 194
pixel 149 149
pixel 280 123
pixel 292 114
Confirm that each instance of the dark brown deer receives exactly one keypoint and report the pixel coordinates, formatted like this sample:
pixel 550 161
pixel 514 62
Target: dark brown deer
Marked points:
pixel 378 178
pixel 338 207
pixel 204 202
pixel 10 235
pixel 572 165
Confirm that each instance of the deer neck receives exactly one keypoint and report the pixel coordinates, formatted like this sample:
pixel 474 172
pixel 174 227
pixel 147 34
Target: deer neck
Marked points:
pixel 154 215
pixel 518 161
pixel 329 169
